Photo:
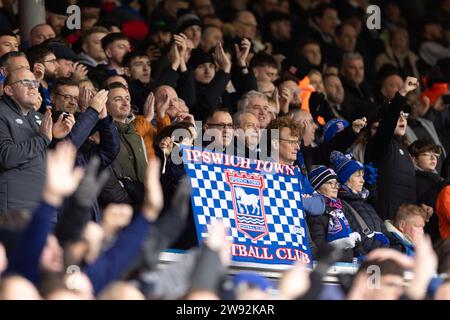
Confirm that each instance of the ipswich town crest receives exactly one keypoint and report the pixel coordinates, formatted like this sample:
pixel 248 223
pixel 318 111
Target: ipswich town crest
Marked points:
pixel 246 190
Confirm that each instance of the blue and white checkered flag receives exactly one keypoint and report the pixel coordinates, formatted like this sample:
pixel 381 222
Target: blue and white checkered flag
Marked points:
pixel 258 201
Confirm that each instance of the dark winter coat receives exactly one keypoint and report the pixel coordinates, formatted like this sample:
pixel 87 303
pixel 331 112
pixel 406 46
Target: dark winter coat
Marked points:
pixel 396 183
pixel 22 157
pixel 358 202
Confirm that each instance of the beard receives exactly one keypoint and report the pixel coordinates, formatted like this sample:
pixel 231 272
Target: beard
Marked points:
pixel 50 77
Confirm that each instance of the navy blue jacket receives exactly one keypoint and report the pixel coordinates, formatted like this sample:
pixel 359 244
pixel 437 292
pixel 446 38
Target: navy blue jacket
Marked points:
pixel 107 150
pixel 106 268
pixel 25 258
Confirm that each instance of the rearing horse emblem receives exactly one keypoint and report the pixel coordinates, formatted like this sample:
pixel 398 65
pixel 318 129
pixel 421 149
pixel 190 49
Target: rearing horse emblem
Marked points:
pixel 247 194
pixel 244 201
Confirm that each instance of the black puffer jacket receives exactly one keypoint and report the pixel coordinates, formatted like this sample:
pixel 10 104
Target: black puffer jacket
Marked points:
pixel 318 227
pixel 370 217
pixel 396 184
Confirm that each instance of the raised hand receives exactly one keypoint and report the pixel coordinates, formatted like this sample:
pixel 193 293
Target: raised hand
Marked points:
pixel 359 124
pixel 85 98
pixel 242 52
pixel 174 57
pixel 166 145
pixel 295 282
pixel 62 178
pixel 162 105
pixel 429 210
pixel 62 127
pixel 153 53
pixel 38 104
pixel 184 116
pixel 221 58
pixel 149 107
pixel 80 71
pixel 39 71
pixel 103 113
pixel 181 42
pixel 47 125
pixel 115 217
pixel 218 242
pixel 92 183
pixel 94 235
pixel 425 265
pixel 410 84
pixel 190 47
pixel 153 200
pixel 98 102
pixel 284 99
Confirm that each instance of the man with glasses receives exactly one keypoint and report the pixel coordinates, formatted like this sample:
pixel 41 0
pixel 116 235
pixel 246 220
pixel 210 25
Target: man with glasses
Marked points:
pixel 24 137
pixel 285 136
pixel 43 62
pixel 218 130
pixel 64 95
pixel 65 58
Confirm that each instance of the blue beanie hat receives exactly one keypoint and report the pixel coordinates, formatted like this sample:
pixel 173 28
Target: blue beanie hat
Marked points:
pixel 344 165
pixel 318 176
pixel 332 127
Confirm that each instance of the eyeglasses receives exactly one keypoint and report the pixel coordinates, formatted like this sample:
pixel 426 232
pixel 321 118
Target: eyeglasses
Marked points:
pixel 404 115
pixel 220 125
pixel 52 61
pixel 431 156
pixel 332 184
pixel 291 142
pixel 66 97
pixel 30 84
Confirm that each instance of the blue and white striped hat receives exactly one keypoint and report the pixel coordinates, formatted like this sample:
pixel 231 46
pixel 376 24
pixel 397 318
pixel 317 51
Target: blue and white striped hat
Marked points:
pixel 319 175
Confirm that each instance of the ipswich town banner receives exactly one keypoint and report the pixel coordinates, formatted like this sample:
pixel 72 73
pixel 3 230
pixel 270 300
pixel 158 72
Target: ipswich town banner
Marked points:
pixel 259 201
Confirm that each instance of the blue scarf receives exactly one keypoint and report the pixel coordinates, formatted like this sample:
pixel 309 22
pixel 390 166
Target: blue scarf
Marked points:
pixel 338 226
pixel 46 96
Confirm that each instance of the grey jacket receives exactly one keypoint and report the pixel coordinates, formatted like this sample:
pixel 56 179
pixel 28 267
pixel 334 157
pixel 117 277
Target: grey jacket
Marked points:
pixel 22 157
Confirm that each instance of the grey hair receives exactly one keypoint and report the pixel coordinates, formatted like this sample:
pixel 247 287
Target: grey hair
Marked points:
pixel 237 118
pixel 351 56
pixel 244 101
